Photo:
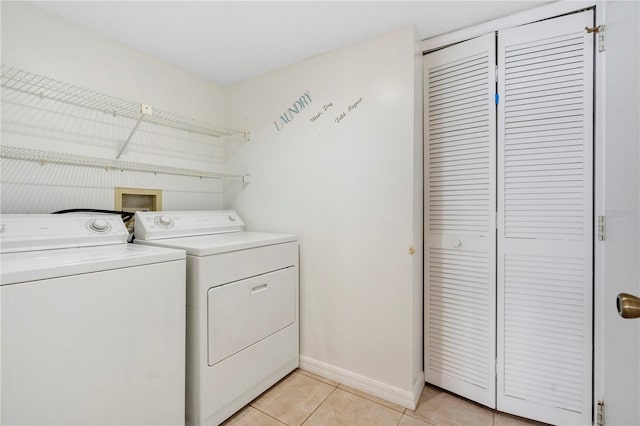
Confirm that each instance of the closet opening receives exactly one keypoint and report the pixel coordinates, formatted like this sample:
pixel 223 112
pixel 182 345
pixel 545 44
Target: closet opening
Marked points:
pixel 509 133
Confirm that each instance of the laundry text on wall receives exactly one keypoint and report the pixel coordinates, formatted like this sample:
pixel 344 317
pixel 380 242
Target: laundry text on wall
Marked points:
pixel 291 112
pixel 351 108
pixel 319 113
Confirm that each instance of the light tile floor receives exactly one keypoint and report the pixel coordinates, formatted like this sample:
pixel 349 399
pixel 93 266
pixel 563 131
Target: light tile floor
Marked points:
pixel 303 398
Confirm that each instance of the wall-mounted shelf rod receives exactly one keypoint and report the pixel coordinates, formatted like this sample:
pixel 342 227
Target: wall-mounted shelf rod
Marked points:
pixel 48 88
pixel 44 157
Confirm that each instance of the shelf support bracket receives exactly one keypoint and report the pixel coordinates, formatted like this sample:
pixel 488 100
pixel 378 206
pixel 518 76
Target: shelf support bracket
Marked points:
pixel 145 109
pixel 124 146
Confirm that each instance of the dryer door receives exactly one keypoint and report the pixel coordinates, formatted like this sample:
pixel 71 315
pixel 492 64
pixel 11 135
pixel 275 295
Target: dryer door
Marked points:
pixel 244 312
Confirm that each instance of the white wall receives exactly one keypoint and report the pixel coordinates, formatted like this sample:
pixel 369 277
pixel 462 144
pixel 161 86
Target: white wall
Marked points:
pixel 618 371
pixel 351 190
pixel 36 41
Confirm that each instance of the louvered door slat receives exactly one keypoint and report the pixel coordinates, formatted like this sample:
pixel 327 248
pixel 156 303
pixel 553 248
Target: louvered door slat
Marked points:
pixel 544 237
pixel 569 105
pixel 542 45
pixel 459 214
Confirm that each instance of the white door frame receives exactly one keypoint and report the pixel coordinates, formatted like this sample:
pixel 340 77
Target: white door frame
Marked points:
pixel 528 16
pixel 599 210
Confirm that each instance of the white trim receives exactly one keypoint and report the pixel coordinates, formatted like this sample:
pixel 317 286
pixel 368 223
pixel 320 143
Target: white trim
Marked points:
pixel 521 18
pixel 407 399
pixel 599 210
pixel 418 386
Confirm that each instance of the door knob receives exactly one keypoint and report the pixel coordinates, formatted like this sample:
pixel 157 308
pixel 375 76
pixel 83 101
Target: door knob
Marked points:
pixel 628 305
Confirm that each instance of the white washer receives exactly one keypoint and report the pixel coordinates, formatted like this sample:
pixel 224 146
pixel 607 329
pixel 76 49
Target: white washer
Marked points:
pixel 93 328
pixel 242 307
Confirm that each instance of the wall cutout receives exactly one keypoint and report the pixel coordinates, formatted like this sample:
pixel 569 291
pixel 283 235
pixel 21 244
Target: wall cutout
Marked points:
pixel 134 199
pixel 297 107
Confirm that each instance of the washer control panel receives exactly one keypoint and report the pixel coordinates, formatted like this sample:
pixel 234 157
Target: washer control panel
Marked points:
pixel 158 225
pixel 28 232
pixel 164 222
pixel 99 225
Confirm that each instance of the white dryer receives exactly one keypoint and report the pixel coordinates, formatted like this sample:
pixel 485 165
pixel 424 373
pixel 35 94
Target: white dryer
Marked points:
pixel 93 328
pixel 242 307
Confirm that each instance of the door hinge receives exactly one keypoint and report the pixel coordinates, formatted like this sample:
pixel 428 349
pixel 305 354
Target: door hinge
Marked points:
pixel 602 228
pixel 599 31
pixel 600 414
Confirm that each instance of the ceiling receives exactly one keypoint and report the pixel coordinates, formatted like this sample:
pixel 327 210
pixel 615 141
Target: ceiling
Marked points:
pixel 229 41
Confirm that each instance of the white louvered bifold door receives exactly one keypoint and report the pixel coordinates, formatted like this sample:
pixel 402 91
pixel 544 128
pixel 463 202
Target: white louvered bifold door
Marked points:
pixel 459 132
pixel 545 175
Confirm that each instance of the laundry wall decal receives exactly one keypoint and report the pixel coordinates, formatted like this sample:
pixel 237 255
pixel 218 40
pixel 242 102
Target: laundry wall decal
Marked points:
pixel 290 113
pixel 351 108
pixel 318 114
pixel 341 115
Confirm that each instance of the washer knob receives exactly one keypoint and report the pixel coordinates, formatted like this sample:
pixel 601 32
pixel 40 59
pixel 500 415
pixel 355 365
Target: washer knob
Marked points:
pixel 232 218
pixel 164 221
pixel 99 225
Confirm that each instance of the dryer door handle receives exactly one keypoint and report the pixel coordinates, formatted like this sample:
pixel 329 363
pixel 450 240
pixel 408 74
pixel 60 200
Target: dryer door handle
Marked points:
pixel 259 288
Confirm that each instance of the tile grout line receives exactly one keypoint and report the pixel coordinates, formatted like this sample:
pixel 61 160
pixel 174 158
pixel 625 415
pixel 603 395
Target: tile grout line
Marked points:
pixel 319 378
pixel 405 412
pixel 272 387
pixel 335 387
pixel 338 386
pixel 269 415
pixel 371 400
pixel 418 418
pixel 319 405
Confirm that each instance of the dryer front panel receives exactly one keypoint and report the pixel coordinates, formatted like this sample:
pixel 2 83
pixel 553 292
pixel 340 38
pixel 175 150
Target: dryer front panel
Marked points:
pixel 244 312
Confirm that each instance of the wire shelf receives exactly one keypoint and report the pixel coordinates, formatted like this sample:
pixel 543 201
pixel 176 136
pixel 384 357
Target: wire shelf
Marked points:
pixel 48 88
pixel 43 157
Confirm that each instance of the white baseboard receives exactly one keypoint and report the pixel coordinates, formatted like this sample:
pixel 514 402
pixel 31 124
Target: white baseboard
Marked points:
pixel 389 393
pixel 418 386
